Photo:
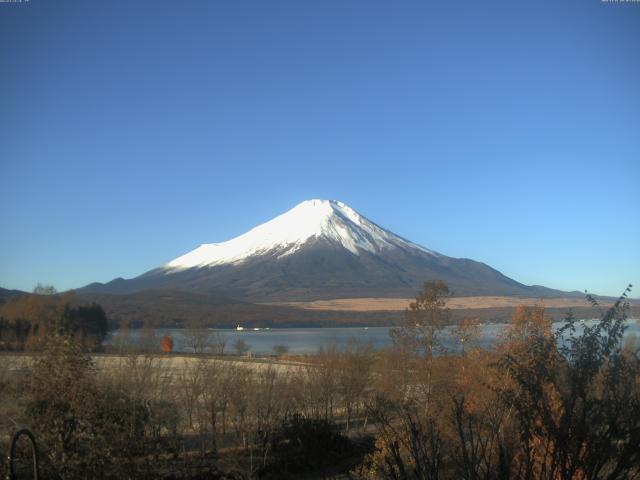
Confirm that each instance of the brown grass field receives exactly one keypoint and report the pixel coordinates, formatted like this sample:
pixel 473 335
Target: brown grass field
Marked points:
pixel 458 303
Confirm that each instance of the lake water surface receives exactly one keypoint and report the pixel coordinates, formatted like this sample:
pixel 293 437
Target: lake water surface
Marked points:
pixel 307 340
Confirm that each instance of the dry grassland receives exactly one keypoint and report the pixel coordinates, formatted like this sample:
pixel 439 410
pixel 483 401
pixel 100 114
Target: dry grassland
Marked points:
pixel 170 364
pixel 458 303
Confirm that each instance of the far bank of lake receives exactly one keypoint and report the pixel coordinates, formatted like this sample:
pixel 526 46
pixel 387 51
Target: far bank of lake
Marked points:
pixel 304 340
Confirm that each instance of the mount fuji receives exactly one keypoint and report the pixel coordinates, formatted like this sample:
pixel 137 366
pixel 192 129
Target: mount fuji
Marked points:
pixel 320 249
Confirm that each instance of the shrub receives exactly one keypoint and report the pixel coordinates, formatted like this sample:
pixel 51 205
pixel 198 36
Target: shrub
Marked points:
pixel 305 444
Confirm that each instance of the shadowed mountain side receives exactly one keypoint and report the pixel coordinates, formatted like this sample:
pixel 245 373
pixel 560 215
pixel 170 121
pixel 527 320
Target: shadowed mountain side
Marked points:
pixel 322 270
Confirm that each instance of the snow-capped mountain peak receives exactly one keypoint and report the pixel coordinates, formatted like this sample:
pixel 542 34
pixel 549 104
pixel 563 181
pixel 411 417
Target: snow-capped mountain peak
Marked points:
pixel 330 220
pixel 320 249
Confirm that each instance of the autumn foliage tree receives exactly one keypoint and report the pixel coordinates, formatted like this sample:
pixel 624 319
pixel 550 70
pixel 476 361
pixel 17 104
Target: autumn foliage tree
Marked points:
pixel 166 344
pixel 544 405
pixel 410 439
pixel 577 399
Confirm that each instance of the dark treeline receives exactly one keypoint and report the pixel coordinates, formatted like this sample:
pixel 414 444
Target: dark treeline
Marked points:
pixel 26 321
pixel 531 408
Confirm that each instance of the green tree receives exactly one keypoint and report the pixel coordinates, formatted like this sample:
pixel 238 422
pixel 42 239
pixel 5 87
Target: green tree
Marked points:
pixel 87 321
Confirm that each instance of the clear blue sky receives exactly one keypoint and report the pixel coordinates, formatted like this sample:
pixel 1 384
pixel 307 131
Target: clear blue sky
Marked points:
pixel 507 132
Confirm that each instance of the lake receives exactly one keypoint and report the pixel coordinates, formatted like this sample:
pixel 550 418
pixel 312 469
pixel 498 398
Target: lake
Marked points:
pixel 306 340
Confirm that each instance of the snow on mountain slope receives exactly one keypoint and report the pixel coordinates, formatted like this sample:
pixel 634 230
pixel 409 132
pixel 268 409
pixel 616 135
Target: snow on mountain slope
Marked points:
pixel 328 219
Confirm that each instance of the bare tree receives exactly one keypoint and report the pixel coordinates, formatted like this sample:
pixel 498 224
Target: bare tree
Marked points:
pixel 218 343
pixel 241 347
pixel 419 335
pixel 198 339
pixel 323 380
pixel 424 320
pixel 280 350
pixel 41 289
pixel 466 333
pixel 354 376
